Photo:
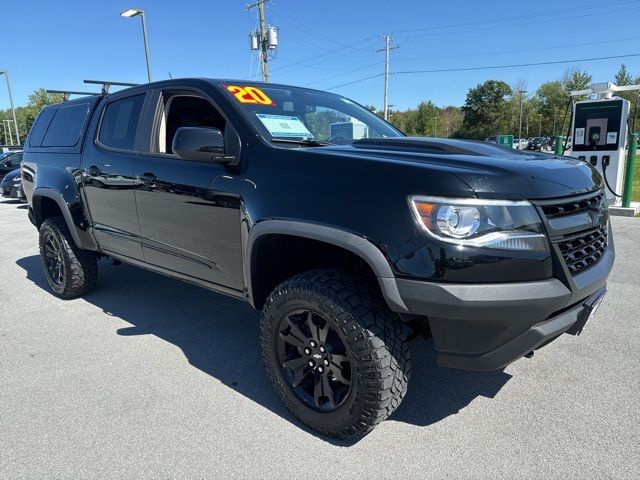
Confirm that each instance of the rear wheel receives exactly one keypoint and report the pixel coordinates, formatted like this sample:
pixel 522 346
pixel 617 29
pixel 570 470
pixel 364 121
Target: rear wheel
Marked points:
pixel 335 354
pixel 70 271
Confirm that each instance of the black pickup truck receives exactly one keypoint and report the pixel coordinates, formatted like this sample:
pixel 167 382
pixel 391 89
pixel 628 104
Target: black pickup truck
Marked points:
pixel 349 236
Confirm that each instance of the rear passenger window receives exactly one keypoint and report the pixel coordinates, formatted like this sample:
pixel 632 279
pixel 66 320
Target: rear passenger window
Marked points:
pixel 66 126
pixel 39 128
pixel 120 123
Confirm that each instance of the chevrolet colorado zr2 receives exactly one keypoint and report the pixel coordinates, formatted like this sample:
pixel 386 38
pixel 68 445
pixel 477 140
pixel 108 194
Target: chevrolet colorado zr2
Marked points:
pixel 346 234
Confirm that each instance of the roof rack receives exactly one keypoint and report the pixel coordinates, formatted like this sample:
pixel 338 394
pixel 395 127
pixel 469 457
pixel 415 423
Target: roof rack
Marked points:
pixel 106 84
pixel 67 93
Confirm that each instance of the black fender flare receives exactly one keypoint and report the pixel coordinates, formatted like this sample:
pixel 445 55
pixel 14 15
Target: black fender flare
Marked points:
pixel 82 239
pixel 358 245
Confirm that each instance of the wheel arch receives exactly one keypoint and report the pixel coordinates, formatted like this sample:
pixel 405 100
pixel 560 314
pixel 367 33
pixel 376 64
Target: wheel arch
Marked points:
pixel 344 241
pixel 47 202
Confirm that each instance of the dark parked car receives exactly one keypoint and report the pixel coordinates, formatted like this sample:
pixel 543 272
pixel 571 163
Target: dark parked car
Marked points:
pixel 538 143
pixel 9 161
pixel 11 185
pixel 346 242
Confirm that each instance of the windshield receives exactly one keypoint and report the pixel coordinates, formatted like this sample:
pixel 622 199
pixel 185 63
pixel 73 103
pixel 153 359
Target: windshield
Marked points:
pixel 292 113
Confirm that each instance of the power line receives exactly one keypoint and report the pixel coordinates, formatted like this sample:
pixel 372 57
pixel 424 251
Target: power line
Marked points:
pixel 480 54
pixel 513 25
pixel 523 16
pixel 329 53
pixel 303 27
pixel 364 67
pixel 532 64
pixel 490 67
pixel 523 50
pixel 356 81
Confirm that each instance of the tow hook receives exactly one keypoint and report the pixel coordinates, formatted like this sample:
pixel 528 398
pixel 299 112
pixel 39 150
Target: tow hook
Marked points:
pixel 530 354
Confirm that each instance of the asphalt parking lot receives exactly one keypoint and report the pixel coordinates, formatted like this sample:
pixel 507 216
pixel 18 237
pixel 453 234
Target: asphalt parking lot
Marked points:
pixel 150 377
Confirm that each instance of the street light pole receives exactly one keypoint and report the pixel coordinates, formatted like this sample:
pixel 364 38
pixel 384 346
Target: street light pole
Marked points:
pixel 135 12
pixel 13 110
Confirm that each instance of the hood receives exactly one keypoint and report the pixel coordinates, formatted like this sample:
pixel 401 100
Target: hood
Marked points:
pixel 490 170
pixel 8 178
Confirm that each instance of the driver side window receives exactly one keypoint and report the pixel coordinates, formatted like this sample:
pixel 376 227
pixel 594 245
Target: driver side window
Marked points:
pixel 185 110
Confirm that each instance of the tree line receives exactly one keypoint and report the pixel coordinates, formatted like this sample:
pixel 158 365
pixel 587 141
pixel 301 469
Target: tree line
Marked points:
pixel 493 108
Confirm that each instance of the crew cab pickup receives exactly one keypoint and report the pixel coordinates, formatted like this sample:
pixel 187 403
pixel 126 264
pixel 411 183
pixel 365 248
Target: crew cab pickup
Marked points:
pixel 347 235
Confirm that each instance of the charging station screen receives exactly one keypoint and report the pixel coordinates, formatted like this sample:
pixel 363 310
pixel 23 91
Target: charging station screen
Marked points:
pixel 597 126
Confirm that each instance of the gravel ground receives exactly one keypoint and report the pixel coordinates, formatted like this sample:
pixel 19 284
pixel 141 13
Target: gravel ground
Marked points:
pixel 150 377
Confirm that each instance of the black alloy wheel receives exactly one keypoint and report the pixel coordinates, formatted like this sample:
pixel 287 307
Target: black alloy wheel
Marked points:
pixel 314 360
pixel 53 260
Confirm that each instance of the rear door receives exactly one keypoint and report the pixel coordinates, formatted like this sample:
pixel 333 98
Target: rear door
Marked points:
pixel 189 211
pixel 107 174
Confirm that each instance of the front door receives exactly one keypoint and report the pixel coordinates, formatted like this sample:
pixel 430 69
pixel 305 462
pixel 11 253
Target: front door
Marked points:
pixel 189 211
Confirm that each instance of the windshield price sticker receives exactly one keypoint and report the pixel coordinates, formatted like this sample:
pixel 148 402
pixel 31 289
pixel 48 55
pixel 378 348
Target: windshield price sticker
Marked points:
pixel 250 95
pixel 284 126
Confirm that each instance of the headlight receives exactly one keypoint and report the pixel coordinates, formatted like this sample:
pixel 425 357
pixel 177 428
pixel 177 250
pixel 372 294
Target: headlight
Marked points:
pixel 497 224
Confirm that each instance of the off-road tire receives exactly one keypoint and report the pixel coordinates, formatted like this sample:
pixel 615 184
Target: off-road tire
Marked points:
pixel 80 267
pixel 372 334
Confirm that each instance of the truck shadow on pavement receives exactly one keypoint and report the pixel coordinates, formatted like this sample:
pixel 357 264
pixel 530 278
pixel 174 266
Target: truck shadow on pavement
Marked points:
pixel 219 336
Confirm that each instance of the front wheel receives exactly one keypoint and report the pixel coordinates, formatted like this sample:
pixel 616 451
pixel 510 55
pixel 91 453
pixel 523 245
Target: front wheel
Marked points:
pixel 336 355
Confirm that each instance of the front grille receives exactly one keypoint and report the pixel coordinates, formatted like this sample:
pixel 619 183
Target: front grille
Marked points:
pixel 571 207
pixel 583 251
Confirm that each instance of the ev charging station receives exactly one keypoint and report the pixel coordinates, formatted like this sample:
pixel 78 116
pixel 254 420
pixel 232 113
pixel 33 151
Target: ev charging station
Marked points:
pixel 600 132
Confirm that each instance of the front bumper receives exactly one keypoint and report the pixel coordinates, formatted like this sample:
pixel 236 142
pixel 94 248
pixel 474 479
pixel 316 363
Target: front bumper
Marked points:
pixel 488 326
pixel 11 191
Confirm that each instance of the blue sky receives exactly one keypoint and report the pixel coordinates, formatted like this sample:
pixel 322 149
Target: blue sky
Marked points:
pixel 323 44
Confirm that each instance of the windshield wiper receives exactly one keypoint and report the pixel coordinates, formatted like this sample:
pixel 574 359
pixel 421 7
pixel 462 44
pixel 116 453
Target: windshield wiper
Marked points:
pixel 309 142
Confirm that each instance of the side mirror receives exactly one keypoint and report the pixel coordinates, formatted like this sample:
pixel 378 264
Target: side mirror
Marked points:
pixel 201 144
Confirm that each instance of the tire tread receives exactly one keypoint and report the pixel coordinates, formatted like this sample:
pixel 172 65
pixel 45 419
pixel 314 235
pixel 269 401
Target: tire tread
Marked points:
pixel 81 266
pixel 376 334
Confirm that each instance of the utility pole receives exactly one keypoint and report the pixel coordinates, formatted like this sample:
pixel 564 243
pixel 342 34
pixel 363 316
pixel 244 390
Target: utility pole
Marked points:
pixel 13 110
pixel 435 127
pixel 522 92
pixel 7 128
pixel 265 39
pixel 387 47
pixel 540 125
pixel 555 111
